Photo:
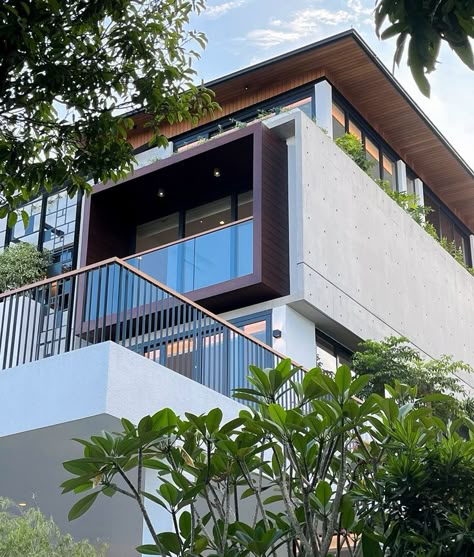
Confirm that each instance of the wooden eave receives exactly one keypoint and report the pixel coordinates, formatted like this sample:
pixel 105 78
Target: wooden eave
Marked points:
pixel 348 63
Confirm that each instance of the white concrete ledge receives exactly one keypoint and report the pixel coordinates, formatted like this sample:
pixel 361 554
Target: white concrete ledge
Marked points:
pixel 101 379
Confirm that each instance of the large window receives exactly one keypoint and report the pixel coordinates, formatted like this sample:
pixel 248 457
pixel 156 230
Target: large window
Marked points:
pixel 52 224
pixel 30 233
pixel 194 221
pixel 257 325
pixel 59 229
pixel 159 232
pixel 346 120
pixel 448 225
pixel 330 354
pixel 208 216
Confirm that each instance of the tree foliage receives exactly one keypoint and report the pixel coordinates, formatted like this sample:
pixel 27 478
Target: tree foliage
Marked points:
pixel 68 73
pixel 365 477
pixel 422 26
pixel 28 533
pixel 22 264
pixel 395 360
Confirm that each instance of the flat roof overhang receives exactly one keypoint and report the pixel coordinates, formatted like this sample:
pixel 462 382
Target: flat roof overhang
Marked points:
pixel 353 68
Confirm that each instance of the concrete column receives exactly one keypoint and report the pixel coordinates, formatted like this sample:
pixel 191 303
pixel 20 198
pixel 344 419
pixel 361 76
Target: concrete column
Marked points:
pixel 402 177
pixel 298 337
pixel 471 242
pixel 323 95
pixel 419 191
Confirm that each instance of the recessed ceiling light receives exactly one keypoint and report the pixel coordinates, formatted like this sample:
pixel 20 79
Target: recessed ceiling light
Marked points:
pixel 221 222
pixel 22 504
pixel 161 193
pixel 216 172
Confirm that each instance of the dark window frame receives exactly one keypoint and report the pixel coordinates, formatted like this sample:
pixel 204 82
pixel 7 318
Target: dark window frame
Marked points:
pixel 350 113
pixel 247 114
pixel 337 346
pixel 462 229
pixel 265 315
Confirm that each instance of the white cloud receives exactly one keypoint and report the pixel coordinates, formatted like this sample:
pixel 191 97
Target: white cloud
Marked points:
pixel 219 10
pixel 302 24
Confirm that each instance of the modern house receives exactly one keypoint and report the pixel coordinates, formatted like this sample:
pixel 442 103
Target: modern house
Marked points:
pixel 252 237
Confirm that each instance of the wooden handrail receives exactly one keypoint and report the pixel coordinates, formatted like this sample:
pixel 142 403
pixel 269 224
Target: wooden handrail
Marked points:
pixel 50 280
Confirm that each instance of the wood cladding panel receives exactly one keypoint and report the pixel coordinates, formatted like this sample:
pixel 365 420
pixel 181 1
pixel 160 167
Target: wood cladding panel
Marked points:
pixel 275 230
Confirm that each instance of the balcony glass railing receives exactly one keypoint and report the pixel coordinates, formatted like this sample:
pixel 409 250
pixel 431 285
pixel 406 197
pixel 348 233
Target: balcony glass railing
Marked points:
pixel 210 258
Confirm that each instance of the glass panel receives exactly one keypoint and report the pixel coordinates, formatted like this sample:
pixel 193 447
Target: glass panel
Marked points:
pixel 389 172
pixel 447 227
pixel 461 242
pixel 305 105
pixel 258 330
pixel 326 357
pixel 158 232
pixel 338 122
pixel 355 130
pixel 29 234
pixel 193 143
pixel 209 216
pixel 372 154
pixel 59 226
pixel 245 205
pixel 410 185
pixel 202 261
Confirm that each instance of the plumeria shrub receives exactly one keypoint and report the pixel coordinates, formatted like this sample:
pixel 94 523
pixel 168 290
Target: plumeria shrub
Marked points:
pixel 330 474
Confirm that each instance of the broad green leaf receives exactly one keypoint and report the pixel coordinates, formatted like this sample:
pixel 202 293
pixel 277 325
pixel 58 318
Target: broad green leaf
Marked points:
pixel 358 384
pixel 277 414
pixel 82 506
pixel 370 546
pixel 323 492
pixel 343 379
pixel 213 420
pixel 148 549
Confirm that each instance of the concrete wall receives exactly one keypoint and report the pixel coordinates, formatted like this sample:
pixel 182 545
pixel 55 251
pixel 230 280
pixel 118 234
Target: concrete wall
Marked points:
pixel 367 265
pixel 45 404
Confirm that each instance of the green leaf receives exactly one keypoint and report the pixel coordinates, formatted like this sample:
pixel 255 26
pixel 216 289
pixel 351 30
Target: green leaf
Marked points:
pixel 170 541
pixel 343 379
pixel 185 524
pixel 323 493
pixel 82 506
pixel 370 546
pixel 148 549
pixel 358 384
pixel 437 397
pixel 277 414
pixel 213 420
pixel 347 512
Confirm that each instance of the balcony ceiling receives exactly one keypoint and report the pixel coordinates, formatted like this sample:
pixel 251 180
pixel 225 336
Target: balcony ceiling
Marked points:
pixel 347 62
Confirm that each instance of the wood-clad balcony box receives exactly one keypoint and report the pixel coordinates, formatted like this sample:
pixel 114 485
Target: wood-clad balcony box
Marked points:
pixel 248 158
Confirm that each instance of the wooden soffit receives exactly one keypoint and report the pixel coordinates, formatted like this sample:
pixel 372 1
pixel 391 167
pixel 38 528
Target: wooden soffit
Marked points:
pixel 348 63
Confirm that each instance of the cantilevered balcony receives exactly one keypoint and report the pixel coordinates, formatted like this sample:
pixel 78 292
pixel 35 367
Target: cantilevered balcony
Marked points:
pixel 210 221
pixel 113 301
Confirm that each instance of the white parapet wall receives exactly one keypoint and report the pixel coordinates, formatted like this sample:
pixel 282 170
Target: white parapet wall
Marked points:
pixel 45 404
pixel 366 264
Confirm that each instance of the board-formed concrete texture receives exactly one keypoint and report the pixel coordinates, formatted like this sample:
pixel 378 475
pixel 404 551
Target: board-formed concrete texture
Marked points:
pixel 45 404
pixel 367 264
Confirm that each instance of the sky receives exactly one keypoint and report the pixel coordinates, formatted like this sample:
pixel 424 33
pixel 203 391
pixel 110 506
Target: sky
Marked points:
pixel 244 32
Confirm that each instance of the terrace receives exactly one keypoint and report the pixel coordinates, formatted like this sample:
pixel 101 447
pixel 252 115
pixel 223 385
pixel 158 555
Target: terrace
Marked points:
pixel 114 301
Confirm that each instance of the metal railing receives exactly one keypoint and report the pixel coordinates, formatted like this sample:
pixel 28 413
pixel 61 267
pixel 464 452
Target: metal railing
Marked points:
pixel 113 301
